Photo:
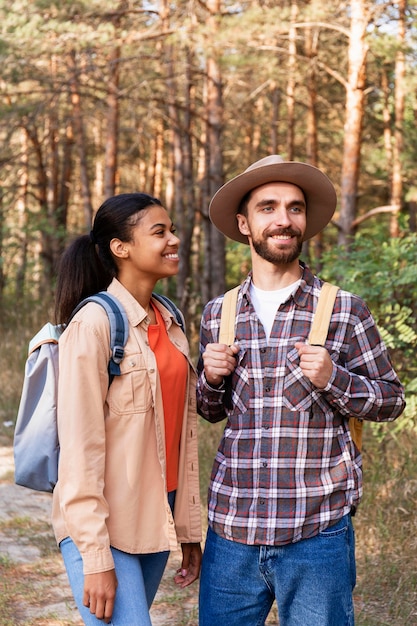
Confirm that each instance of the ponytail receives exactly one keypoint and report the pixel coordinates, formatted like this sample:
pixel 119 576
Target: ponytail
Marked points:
pixel 87 265
pixel 80 274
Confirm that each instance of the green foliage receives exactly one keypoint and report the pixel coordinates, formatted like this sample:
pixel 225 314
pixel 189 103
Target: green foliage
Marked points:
pixel 237 262
pixel 383 272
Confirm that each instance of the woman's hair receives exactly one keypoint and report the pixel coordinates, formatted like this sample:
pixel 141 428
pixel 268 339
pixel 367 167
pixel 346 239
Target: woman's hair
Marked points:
pixel 87 265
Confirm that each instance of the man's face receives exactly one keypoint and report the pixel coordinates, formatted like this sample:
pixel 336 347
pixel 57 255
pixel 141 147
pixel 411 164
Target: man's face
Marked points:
pixel 275 222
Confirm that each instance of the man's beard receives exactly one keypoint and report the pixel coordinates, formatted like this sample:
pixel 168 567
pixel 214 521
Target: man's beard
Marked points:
pixel 276 256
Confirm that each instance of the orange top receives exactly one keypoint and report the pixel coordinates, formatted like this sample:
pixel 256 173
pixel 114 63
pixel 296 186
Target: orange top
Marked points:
pixel 172 368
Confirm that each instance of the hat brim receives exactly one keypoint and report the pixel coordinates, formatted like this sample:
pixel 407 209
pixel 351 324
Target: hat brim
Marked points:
pixel 319 193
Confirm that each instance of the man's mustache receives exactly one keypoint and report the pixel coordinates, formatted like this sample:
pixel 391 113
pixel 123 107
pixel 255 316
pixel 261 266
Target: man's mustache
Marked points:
pixel 284 232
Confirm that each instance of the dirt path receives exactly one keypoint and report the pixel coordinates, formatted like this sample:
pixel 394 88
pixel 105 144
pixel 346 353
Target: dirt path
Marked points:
pixel 34 587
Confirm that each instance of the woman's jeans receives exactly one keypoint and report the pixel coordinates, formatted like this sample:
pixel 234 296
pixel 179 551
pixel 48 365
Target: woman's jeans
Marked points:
pixel 312 580
pixel 138 577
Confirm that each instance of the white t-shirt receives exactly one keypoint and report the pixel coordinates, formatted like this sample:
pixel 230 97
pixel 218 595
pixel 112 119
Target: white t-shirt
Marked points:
pixel 266 303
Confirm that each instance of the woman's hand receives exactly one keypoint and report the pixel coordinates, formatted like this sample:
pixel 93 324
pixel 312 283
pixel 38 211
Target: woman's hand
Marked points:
pixel 100 593
pixel 190 566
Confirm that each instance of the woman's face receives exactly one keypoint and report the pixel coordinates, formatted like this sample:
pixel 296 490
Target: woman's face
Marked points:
pixel 153 250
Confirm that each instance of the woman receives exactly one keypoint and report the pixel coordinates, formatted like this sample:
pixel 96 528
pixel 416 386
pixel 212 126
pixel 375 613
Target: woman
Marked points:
pixel 127 488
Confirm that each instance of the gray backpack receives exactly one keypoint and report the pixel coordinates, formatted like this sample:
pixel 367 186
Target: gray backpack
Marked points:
pixel 36 445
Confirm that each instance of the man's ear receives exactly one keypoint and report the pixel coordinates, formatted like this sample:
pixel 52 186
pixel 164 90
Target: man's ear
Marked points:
pixel 242 224
pixel 119 249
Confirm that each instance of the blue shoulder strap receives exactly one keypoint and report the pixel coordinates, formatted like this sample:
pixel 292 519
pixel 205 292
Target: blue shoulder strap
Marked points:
pixel 119 327
pixel 172 308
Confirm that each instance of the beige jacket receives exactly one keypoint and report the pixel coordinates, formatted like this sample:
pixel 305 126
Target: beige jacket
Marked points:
pixel 111 485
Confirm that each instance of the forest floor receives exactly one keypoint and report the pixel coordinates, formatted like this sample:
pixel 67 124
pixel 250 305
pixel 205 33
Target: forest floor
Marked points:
pixel 34 590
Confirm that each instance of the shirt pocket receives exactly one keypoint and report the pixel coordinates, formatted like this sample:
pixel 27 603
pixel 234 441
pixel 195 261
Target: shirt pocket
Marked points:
pixel 297 389
pixel 131 391
pixel 237 387
pixel 299 394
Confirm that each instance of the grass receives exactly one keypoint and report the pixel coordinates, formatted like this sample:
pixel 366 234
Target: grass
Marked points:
pixel 386 522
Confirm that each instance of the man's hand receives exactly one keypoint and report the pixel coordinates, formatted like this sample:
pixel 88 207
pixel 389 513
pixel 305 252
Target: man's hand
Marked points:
pixel 219 361
pixel 100 593
pixel 190 566
pixel 315 363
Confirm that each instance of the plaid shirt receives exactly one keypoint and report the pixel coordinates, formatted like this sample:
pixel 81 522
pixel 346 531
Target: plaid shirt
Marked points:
pixel 286 467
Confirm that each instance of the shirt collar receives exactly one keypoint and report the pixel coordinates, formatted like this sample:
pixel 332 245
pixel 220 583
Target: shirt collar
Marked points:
pixel 300 296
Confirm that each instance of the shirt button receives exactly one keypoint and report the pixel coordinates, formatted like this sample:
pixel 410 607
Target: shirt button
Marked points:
pixel 267 389
pixel 264 464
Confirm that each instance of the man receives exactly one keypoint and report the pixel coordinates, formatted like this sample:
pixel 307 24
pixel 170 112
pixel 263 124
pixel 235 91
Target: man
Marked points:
pixel 287 477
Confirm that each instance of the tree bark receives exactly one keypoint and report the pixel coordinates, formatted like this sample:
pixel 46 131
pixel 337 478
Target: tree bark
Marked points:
pixel 214 266
pixel 311 44
pixel 397 174
pixel 355 98
pixel 110 157
pixel 80 141
pixel 291 82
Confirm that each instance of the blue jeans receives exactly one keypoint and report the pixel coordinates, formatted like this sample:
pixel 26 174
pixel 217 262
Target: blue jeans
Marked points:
pixel 312 580
pixel 138 577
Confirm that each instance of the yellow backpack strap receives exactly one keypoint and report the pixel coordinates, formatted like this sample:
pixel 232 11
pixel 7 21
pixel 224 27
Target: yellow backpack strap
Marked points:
pixel 322 315
pixel 317 337
pixel 228 317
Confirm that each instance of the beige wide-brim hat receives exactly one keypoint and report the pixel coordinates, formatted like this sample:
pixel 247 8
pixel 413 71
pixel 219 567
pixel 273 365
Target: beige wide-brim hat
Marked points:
pixel 319 193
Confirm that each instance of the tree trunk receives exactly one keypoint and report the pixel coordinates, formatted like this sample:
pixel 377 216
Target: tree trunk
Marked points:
pixel 355 99
pixel 47 228
pixel 185 283
pixel 386 114
pixel 22 219
pixel 292 55
pixel 66 175
pixel 397 174
pixel 214 267
pixel 80 141
pixel 110 157
pixel 311 41
pixel 276 101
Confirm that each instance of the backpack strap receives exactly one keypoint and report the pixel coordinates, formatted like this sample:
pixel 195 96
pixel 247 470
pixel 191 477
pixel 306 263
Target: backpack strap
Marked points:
pixel 322 315
pixel 317 337
pixel 228 317
pixel 172 308
pixel 119 326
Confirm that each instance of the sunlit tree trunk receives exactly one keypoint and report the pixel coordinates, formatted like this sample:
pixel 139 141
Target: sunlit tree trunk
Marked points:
pixel 397 174
pixel 355 99
pixel 291 82
pixel 314 247
pixel 21 208
pixel 386 114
